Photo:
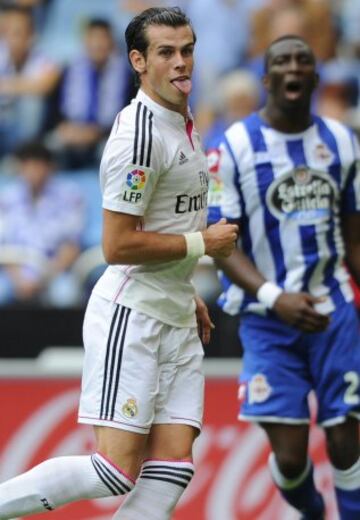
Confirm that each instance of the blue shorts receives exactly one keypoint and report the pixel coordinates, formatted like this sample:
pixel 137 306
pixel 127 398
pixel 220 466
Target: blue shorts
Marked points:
pixel 281 365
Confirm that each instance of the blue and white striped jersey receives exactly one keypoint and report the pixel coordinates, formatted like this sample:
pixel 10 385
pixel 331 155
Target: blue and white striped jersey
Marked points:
pixel 289 192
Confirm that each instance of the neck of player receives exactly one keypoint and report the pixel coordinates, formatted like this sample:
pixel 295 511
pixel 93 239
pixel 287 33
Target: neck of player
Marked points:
pixel 290 120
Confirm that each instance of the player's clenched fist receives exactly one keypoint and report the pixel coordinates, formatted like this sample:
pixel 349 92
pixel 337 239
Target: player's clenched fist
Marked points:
pixel 220 238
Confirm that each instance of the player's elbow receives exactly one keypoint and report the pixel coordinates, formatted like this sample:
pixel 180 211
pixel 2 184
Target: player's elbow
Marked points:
pixel 115 252
pixel 110 253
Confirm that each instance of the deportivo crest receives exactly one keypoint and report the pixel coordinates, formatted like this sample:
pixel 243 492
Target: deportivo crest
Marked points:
pixel 259 389
pixel 130 408
pixel 323 154
pixel 304 195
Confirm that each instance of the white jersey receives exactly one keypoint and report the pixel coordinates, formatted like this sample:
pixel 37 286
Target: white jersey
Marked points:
pixel 290 192
pixel 154 167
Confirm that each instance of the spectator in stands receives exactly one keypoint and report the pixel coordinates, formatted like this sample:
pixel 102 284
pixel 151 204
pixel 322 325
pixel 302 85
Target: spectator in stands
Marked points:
pixel 237 95
pixel 222 29
pixel 26 77
pixel 316 13
pixel 94 88
pixel 42 220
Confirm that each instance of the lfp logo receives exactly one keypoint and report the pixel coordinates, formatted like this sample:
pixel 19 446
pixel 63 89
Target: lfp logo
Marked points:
pixel 136 179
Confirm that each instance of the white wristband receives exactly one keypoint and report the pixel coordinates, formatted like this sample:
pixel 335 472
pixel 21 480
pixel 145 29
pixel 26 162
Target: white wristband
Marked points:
pixel 195 245
pixel 268 293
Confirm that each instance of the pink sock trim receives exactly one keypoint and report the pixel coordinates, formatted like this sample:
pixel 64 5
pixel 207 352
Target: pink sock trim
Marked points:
pixel 116 467
pixel 168 460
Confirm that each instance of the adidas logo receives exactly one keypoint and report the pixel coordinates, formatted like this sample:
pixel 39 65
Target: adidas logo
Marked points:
pixel 46 504
pixel 182 158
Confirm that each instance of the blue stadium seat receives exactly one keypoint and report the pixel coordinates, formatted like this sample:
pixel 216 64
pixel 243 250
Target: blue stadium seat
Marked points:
pixel 67 17
pixel 88 181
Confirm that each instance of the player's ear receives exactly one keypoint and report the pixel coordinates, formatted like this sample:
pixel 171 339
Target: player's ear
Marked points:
pixel 137 61
pixel 266 81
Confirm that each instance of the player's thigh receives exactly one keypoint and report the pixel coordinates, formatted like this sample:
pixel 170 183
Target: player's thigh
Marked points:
pixel 180 398
pixel 274 381
pixel 343 442
pixel 289 442
pixel 171 441
pixel 121 370
pixel 123 448
pixel 335 364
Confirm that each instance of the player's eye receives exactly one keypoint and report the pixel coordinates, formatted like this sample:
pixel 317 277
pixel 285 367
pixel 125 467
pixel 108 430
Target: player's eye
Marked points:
pixel 166 52
pixel 188 51
pixel 280 60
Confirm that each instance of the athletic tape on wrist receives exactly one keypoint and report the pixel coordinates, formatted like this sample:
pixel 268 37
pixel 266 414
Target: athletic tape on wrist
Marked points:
pixel 268 293
pixel 195 245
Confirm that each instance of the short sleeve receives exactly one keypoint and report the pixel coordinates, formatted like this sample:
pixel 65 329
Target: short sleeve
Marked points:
pixel 230 200
pixel 127 179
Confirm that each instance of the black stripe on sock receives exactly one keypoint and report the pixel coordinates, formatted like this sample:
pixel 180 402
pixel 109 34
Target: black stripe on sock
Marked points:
pixel 170 473
pixel 171 468
pixel 101 476
pixel 171 481
pixel 125 488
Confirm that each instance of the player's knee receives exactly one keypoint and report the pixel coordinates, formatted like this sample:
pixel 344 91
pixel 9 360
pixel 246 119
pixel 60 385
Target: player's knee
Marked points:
pixel 124 449
pixel 342 445
pixel 291 465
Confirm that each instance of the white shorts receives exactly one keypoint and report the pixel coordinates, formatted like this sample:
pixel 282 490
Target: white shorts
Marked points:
pixel 138 371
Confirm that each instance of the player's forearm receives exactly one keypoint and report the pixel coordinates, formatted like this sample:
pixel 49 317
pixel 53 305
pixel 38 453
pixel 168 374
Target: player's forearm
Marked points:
pixel 141 247
pixel 241 271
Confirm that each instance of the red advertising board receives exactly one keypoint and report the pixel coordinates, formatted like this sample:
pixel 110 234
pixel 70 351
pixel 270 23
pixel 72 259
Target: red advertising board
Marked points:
pixel 231 481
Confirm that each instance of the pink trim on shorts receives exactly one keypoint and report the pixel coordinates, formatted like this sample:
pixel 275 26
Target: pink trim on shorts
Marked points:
pixel 168 460
pixel 115 466
pixel 98 421
pixel 185 419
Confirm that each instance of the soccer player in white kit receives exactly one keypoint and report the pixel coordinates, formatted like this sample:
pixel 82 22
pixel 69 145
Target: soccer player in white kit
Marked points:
pixel 142 384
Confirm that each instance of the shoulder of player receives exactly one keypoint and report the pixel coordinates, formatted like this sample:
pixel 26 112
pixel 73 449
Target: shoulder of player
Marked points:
pixel 135 136
pixel 136 119
pixel 235 139
pixel 337 128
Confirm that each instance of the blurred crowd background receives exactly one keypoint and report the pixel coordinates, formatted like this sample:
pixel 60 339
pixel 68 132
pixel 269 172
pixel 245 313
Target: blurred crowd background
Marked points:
pixel 64 75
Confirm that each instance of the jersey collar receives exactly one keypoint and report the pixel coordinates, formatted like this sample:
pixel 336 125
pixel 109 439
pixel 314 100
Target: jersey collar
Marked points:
pixel 165 113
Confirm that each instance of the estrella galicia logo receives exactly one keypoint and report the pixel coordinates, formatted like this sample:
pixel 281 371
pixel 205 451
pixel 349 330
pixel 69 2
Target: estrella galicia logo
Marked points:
pixel 136 179
pixel 304 195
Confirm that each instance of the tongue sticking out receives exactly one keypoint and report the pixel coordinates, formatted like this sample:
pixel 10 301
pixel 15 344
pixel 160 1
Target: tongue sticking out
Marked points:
pixel 184 85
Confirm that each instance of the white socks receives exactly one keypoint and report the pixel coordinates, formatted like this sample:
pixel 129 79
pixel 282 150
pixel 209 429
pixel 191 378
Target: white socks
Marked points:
pixel 348 479
pixel 61 480
pixel 157 491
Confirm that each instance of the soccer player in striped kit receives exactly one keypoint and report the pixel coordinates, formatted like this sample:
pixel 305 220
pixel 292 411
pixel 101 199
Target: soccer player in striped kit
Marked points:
pixel 292 182
pixel 142 384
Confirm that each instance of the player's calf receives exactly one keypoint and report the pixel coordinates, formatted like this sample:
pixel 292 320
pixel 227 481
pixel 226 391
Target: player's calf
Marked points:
pixel 299 492
pixel 59 481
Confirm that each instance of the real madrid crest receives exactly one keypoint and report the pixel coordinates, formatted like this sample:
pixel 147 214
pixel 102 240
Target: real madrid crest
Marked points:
pixel 130 408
